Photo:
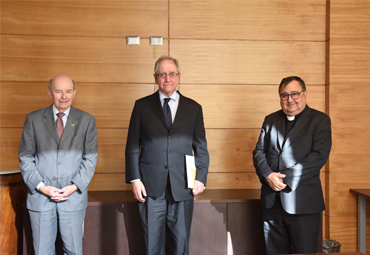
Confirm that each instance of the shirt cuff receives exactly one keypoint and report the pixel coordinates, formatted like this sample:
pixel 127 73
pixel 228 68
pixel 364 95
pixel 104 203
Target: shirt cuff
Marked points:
pixel 40 185
pixel 134 180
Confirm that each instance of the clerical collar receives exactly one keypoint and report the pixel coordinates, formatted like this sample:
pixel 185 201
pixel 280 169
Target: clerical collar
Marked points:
pixel 290 118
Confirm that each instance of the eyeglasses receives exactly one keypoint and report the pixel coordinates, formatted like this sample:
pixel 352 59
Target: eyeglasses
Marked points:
pixel 164 75
pixel 294 95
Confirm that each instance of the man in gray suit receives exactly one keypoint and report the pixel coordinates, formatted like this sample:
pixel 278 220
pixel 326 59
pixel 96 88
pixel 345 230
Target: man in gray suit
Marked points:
pixel 165 127
pixel 58 154
pixel 293 146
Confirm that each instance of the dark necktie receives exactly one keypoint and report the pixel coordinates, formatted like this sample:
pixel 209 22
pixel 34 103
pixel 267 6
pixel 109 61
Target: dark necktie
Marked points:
pixel 167 113
pixel 60 126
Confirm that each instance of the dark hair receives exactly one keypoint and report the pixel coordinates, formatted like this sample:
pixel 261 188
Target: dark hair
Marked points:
pixel 284 82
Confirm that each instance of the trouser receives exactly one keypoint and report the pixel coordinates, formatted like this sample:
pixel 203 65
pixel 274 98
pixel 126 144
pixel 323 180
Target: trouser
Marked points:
pixel 290 233
pixel 166 224
pixel 45 226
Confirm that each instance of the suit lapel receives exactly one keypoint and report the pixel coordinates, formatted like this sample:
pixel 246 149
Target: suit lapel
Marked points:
pixel 181 109
pixel 302 120
pixel 280 126
pixel 49 122
pixel 72 121
pixel 156 106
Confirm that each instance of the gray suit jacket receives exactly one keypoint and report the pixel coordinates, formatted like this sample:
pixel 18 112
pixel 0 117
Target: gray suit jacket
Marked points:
pixel 154 153
pixel 304 153
pixel 42 158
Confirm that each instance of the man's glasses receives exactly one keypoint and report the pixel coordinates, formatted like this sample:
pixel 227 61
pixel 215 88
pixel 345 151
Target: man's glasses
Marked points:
pixel 164 75
pixel 294 95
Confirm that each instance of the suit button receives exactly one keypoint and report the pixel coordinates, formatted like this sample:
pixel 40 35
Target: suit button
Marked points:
pixel 168 152
pixel 165 167
pixel 59 163
pixel 169 137
pixel 54 178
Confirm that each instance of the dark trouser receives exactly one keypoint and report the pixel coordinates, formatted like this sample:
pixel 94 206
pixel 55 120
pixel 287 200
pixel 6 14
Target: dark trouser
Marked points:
pixel 290 233
pixel 164 219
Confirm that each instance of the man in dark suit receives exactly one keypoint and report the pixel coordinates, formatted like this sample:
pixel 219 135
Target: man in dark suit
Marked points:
pixel 57 154
pixel 293 146
pixel 165 127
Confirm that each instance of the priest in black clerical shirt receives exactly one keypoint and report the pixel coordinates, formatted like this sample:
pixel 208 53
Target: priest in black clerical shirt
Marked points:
pixel 293 146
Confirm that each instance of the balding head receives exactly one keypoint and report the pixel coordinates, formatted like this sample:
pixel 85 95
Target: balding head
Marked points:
pixel 62 90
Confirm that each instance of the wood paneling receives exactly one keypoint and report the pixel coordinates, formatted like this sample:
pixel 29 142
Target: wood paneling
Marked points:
pixel 235 106
pixel 85 18
pixel 10 138
pixel 231 149
pixel 111 104
pixel 350 19
pixel 102 182
pixel 344 230
pixel 12 198
pixel 349 61
pixel 91 59
pixel 111 150
pixel 344 112
pixel 351 140
pixel 252 20
pixel 342 202
pixel 249 62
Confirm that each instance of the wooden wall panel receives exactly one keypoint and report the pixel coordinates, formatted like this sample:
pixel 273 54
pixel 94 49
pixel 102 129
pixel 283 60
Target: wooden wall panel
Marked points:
pixel 249 62
pixel 349 61
pixel 10 139
pixel 85 18
pixel 231 149
pixel 344 230
pixel 344 113
pixel 349 72
pixel 111 104
pixel 350 19
pixel 12 199
pixel 111 182
pixel 234 106
pixel 252 20
pixel 342 202
pixel 111 150
pixel 351 141
pixel 37 58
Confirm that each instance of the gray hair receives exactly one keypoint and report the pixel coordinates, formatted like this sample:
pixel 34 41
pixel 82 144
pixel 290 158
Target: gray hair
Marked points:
pixel 175 61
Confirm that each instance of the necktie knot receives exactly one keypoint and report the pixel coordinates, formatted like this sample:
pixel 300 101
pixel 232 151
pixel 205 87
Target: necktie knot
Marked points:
pixel 166 100
pixel 60 115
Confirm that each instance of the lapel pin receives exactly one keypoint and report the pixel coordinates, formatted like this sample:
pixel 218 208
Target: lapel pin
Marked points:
pixel 72 125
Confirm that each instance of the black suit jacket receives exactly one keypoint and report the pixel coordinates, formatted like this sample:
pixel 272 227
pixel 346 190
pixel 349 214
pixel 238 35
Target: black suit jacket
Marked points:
pixel 154 153
pixel 305 152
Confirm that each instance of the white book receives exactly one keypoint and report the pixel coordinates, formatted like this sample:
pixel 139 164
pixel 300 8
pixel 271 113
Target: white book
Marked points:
pixel 191 170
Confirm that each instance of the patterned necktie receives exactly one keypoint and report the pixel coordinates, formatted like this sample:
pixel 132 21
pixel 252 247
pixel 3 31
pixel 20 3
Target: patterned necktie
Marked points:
pixel 167 113
pixel 60 126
